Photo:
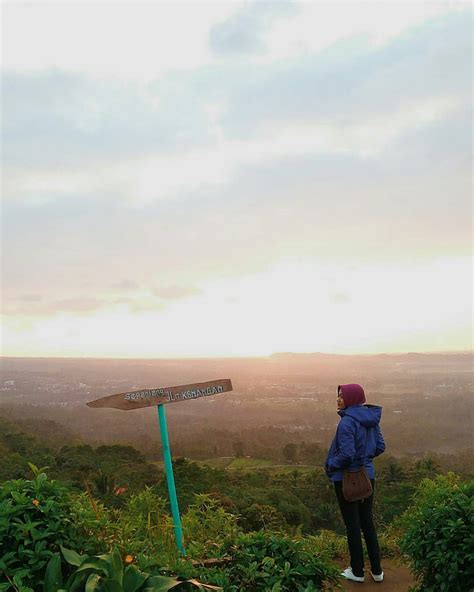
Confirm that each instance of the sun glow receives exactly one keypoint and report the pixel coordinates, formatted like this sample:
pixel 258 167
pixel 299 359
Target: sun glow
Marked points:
pixel 236 178
pixel 294 306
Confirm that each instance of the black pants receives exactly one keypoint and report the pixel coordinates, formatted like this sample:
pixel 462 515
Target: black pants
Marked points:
pixel 357 516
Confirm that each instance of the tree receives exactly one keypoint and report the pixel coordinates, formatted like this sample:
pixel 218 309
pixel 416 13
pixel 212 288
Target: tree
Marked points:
pixel 393 474
pixel 427 467
pixel 261 516
pixel 238 448
pixel 290 452
pixel 104 484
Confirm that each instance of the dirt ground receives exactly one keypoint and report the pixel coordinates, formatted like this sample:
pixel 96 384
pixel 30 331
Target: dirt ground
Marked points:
pixel 397 579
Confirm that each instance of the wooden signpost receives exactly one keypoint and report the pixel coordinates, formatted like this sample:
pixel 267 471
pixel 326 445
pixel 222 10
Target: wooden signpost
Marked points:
pixel 160 397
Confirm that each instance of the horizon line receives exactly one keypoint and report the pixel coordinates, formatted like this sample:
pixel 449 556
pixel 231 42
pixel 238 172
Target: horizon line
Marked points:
pixel 242 357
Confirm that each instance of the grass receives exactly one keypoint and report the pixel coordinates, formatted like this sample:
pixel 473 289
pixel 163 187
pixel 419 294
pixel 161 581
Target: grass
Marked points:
pixel 254 464
pixel 229 463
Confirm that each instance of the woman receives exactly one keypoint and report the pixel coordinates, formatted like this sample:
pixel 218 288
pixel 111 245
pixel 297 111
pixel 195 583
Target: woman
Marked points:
pixel 357 441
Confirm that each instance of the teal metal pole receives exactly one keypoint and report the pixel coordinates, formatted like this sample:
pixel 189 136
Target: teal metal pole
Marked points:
pixel 178 531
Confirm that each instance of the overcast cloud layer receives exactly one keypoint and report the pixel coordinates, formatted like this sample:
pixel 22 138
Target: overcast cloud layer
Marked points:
pixel 136 193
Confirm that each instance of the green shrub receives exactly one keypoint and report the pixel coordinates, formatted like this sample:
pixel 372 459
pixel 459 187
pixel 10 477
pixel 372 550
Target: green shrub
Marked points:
pixel 327 544
pixel 108 573
pixel 144 529
pixel 262 561
pixel 36 516
pixel 261 516
pixel 207 527
pixel 389 540
pixel 439 536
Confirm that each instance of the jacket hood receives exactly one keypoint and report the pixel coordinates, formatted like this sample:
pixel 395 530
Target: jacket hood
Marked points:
pixel 352 394
pixel 368 415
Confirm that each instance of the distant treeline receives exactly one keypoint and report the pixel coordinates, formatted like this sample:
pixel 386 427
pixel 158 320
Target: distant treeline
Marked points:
pixel 296 497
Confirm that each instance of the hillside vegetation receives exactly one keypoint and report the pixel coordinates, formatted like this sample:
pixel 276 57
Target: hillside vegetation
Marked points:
pixel 265 529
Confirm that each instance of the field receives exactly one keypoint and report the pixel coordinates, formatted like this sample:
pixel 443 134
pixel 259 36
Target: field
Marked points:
pixel 254 464
pixel 248 464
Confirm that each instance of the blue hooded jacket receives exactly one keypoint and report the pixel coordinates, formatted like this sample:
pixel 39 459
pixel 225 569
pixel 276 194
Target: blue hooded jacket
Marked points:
pixel 357 441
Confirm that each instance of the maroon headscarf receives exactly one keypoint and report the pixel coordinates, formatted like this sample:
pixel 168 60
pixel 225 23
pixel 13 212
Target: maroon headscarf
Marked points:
pixel 353 394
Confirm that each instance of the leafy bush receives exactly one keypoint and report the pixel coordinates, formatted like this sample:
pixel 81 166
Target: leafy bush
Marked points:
pixel 265 561
pixel 207 527
pixel 327 544
pixel 144 529
pixel 36 516
pixel 330 545
pixel 261 516
pixel 392 500
pixel 16 448
pixel 95 520
pixel 107 573
pixel 439 536
pixel 389 540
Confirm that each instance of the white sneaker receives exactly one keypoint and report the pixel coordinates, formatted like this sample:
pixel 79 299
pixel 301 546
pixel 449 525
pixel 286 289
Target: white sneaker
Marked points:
pixel 378 578
pixel 349 575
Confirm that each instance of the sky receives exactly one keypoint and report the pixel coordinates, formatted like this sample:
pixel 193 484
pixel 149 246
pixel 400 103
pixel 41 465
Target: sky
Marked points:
pixel 191 179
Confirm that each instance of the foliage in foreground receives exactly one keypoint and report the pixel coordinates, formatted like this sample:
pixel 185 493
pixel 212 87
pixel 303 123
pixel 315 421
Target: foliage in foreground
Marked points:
pixel 263 561
pixel 36 516
pixel 107 573
pixel 439 537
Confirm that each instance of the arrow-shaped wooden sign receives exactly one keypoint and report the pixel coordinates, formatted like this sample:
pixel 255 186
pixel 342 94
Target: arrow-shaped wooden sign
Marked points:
pixel 160 396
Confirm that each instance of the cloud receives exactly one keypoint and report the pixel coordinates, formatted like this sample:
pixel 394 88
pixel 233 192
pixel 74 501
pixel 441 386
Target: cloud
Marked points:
pixel 310 203
pixel 176 292
pixel 126 285
pixel 349 95
pixel 397 205
pixel 144 305
pixel 30 298
pixel 353 81
pixel 242 33
pixel 341 297
pixel 355 151
pixel 139 40
pixel 50 306
pixel 75 120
